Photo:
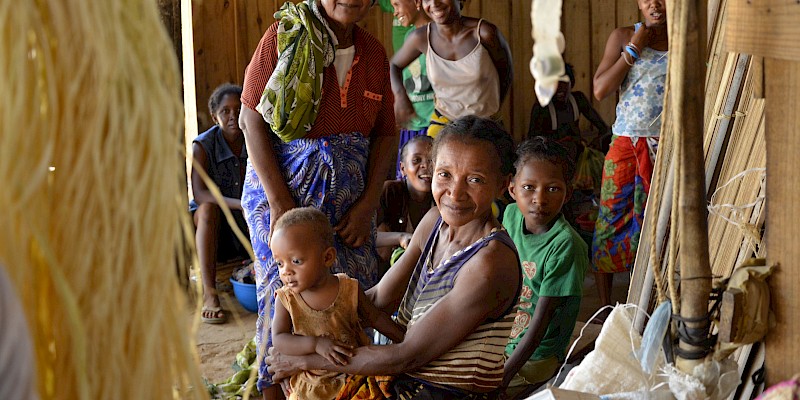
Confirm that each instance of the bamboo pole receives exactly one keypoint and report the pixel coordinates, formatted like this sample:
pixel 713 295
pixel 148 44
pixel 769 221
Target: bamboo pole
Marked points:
pixel 687 74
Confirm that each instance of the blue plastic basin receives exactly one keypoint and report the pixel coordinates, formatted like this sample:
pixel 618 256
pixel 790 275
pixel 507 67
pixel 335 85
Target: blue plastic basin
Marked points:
pixel 246 294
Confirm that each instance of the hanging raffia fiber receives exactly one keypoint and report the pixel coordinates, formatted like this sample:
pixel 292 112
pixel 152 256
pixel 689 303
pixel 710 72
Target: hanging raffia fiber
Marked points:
pixel 92 196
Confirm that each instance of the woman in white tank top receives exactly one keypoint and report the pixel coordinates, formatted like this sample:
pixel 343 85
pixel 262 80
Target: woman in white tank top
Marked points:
pixel 468 60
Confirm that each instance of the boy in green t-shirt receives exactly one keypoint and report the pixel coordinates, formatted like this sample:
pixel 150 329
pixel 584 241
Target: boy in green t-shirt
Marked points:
pixel 554 261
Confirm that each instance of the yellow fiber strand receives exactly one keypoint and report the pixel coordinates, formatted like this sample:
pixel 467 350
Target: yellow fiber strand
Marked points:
pixel 92 200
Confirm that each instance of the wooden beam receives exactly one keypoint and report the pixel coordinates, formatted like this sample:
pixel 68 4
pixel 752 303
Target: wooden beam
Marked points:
pixel 521 97
pixel 767 28
pixel 604 21
pixel 627 13
pixel 576 26
pixel 499 13
pixel 170 11
pixel 783 185
pixel 687 74
pixel 189 91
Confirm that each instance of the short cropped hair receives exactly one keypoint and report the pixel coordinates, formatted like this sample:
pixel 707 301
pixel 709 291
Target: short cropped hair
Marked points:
pixel 472 128
pixel 219 93
pixel 318 221
pixel 406 145
pixel 541 148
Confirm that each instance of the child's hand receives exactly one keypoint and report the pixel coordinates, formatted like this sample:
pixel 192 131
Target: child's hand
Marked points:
pixel 405 239
pixel 333 351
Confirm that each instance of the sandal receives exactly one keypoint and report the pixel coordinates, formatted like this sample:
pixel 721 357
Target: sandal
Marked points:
pixel 219 315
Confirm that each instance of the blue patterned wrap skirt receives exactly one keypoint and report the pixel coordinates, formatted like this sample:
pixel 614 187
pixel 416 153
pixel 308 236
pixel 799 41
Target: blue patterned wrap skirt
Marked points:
pixel 329 174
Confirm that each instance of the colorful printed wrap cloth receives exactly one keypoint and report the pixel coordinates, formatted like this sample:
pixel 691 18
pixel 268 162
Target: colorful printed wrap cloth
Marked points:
pixel 290 102
pixel 329 174
pixel 627 170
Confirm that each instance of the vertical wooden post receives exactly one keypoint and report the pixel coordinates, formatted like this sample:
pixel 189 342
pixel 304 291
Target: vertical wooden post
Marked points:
pixel 189 92
pixel 782 123
pixel 687 74
pixel 520 97
pixel 769 29
pixel 170 11
pixel 603 22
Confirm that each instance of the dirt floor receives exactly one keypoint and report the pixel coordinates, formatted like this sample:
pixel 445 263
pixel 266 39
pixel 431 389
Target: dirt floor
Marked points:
pixel 217 345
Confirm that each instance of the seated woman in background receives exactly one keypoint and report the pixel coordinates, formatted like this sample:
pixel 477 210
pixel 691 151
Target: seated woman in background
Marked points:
pixel 460 271
pixel 468 63
pixel 221 153
pixel 559 119
pixel 405 201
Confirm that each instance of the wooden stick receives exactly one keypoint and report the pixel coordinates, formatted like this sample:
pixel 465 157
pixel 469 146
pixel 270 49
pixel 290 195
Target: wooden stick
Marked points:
pixel 687 72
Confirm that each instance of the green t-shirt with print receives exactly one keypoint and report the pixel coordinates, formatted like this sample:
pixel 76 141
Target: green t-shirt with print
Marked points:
pixel 554 264
pixel 415 76
pixel 420 91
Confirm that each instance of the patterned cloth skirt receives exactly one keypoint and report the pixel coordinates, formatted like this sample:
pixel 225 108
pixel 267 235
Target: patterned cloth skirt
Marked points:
pixel 326 173
pixel 627 170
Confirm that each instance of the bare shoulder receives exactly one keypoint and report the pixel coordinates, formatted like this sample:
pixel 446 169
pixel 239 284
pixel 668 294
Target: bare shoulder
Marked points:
pixel 621 35
pixel 496 259
pixel 420 33
pixel 198 151
pixel 427 223
pixel 488 32
pixel 418 38
pixel 492 277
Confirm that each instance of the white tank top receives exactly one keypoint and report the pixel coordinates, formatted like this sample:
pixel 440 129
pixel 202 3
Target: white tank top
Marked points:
pixel 469 86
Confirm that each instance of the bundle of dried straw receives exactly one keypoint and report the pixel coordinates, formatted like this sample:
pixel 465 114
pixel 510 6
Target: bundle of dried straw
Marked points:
pixel 92 197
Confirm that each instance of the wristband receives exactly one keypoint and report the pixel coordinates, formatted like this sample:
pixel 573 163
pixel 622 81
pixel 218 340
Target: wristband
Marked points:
pixel 632 52
pixel 622 54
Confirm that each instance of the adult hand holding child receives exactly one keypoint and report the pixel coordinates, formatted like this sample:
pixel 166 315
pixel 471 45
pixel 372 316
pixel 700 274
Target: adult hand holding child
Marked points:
pixel 459 239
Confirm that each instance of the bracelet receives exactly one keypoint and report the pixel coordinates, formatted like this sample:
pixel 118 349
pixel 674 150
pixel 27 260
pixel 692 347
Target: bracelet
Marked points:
pixel 635 47
pixel 623 54
pixel 632 52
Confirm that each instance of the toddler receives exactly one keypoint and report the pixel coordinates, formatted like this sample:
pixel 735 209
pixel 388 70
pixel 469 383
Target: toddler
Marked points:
pixel 318 312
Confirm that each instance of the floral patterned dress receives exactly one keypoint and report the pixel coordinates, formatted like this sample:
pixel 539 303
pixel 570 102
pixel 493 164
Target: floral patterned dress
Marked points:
pixel 628 165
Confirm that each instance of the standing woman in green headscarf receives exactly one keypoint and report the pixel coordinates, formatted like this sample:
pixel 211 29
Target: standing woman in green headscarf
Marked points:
pixel 318 118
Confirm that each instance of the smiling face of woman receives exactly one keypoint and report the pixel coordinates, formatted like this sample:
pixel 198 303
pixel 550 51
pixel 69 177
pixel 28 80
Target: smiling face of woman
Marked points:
pixel 405 11
pixel 346 12
pixel 466 180
pixel 442 11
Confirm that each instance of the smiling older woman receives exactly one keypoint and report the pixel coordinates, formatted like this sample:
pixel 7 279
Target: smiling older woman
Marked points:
pixel 456 286
pixel 320 132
